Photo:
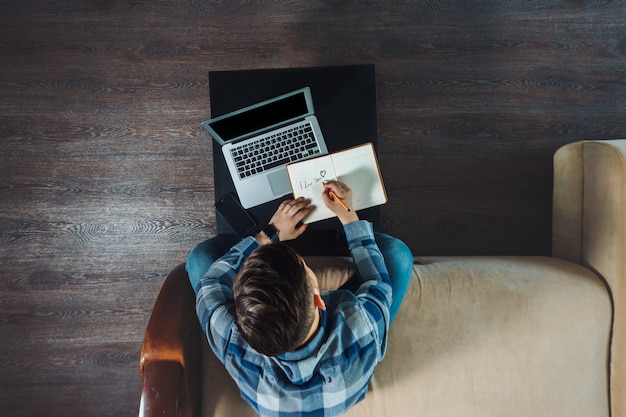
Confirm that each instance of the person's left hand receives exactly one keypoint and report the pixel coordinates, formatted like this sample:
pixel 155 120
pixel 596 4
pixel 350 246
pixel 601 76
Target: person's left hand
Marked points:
pixel 288 217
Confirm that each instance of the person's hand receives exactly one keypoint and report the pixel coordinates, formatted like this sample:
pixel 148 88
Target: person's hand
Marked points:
pixel 288 218
pixel 334 190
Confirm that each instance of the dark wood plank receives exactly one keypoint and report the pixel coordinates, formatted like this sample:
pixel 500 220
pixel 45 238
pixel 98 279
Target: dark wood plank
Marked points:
pixel 106 175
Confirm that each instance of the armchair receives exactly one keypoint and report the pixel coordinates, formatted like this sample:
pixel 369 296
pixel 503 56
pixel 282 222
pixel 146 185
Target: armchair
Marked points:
pixel 476 336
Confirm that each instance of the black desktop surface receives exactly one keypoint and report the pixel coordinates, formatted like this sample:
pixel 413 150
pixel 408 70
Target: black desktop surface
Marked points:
pixel 345 103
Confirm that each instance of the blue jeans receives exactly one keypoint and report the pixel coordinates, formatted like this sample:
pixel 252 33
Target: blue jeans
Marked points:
pixel 398 259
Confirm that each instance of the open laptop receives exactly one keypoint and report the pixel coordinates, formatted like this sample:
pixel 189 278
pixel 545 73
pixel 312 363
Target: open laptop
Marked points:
pixel 258 142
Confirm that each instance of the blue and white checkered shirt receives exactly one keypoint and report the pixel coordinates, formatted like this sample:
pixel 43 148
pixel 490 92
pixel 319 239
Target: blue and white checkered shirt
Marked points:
pixel 330 373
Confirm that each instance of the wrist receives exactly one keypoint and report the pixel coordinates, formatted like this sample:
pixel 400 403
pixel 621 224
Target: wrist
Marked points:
pixel 262 238
pixel 348 217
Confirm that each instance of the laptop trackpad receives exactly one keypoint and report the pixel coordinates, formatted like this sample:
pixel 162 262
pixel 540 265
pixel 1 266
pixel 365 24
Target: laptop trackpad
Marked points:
pixel 279 181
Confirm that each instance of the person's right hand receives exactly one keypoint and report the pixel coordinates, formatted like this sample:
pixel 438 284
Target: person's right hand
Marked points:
pixel 343 192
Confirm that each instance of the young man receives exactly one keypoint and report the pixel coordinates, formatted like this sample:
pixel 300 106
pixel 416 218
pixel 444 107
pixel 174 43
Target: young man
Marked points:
pixel 291 349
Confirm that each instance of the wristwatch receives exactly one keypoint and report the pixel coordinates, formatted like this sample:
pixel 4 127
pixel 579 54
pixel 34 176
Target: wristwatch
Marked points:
pixel 271 232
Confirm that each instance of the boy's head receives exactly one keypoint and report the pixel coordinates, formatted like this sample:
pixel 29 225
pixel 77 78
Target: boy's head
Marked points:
pixel 274 296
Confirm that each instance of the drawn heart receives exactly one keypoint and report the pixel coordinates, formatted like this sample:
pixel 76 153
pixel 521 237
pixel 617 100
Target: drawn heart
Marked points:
pixel 323 173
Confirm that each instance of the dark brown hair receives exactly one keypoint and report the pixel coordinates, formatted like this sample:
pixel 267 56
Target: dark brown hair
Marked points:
pixel 273 300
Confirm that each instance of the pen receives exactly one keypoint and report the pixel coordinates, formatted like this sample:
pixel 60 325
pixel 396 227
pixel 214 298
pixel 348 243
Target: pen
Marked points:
pixel 339 200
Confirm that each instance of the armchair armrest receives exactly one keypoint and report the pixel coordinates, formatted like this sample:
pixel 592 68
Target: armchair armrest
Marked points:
pixel 589 227
pixel 161 388
pixel 171 355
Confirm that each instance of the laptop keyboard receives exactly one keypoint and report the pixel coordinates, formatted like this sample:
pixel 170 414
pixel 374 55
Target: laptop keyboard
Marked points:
pixel 264 153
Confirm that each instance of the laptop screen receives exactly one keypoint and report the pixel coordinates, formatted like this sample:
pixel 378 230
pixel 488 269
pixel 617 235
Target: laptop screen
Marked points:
pixel 264 116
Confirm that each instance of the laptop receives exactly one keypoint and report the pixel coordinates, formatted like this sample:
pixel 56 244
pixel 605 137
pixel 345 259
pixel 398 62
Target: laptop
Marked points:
pixel 258 142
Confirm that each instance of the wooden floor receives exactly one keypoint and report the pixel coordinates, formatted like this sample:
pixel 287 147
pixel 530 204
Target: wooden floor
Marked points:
pixel 105 173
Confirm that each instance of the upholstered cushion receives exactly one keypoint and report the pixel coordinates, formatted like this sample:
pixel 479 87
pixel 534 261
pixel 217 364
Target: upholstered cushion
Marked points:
pixel 331 272
pixel 481 337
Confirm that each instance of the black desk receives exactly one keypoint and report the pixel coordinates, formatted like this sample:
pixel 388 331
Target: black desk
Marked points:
pixel 345 104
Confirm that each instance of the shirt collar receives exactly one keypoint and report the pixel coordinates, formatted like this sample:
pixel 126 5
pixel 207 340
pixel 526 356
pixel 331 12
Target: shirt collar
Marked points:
pixel 314 344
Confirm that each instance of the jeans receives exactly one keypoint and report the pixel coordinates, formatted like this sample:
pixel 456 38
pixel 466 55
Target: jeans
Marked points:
pixel 398 259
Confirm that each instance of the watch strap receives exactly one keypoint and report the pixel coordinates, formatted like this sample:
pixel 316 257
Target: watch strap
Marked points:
pixel 271 232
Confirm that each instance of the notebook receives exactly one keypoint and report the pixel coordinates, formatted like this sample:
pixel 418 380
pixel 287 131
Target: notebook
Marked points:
pixel 357 167
pixel 258 142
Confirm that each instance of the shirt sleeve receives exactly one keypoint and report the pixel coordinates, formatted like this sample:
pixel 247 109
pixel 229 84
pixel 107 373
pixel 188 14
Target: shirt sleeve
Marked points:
pixel 375 289
pixel 214 296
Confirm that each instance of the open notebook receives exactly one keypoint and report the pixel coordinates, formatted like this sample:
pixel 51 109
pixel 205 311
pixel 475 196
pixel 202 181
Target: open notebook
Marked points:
pixel 357 167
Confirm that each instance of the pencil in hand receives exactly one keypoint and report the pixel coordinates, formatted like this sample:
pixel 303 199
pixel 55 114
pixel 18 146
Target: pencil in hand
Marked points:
pixel 339 200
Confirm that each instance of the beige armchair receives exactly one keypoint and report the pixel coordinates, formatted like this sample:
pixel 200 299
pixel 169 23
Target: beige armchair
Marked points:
pixel 476 336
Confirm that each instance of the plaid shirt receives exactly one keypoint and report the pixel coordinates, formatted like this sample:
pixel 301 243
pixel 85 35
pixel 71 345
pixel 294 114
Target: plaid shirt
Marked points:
pixel 330 373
